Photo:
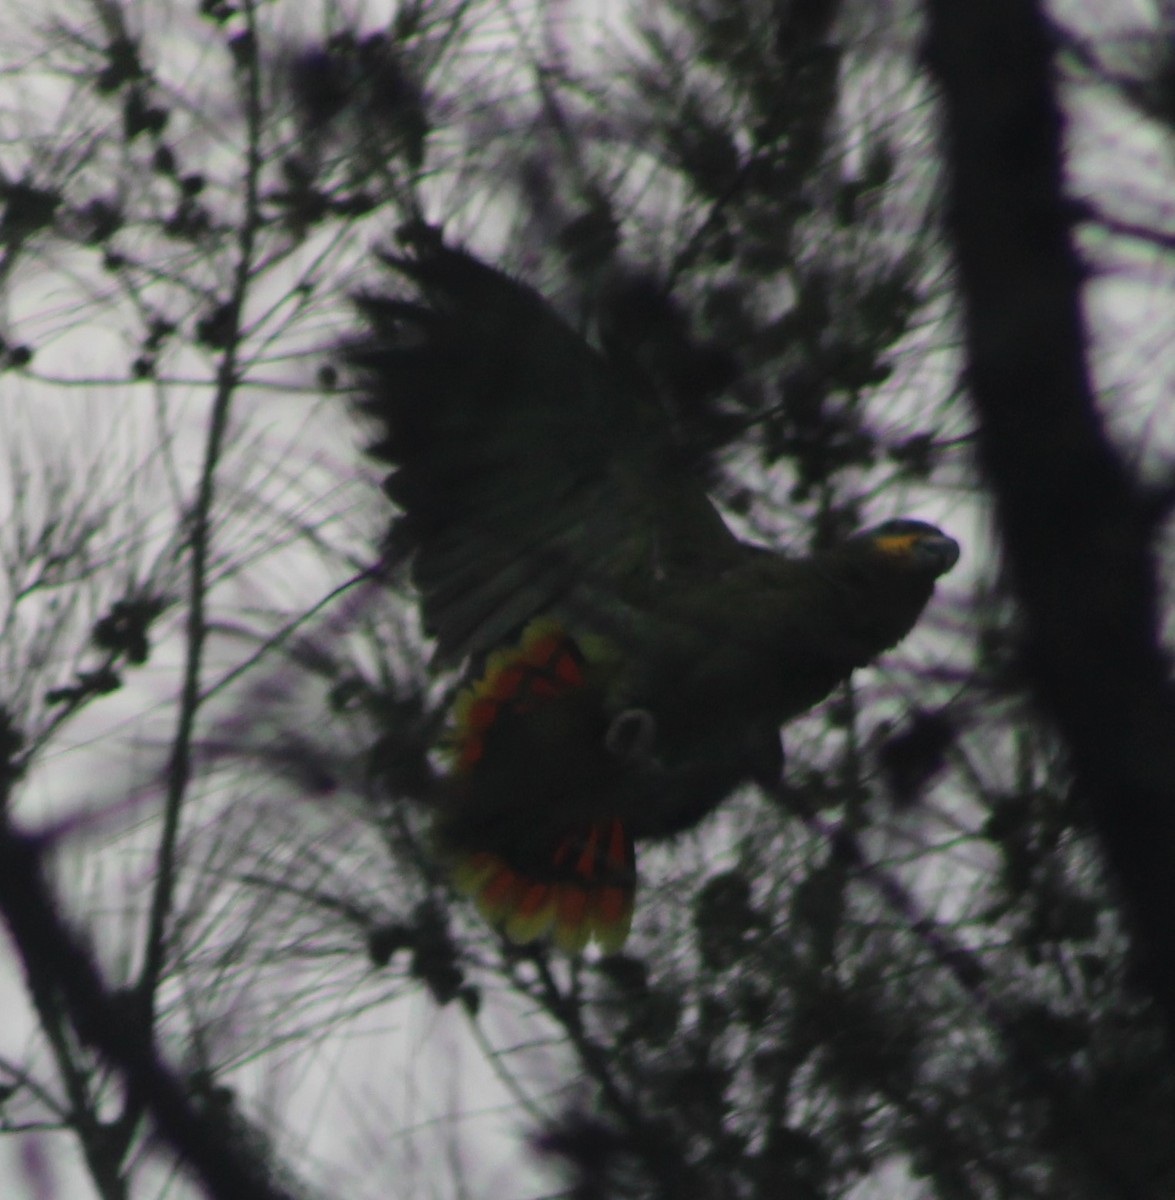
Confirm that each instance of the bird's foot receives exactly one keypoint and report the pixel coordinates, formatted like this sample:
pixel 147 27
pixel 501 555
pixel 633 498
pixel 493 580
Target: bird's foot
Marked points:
pixel 632 735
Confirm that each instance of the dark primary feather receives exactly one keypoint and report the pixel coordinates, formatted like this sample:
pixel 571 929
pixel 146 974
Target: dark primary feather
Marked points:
pixel 526 469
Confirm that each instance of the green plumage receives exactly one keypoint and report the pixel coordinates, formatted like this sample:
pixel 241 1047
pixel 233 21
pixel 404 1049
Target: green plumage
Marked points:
pixel 534 477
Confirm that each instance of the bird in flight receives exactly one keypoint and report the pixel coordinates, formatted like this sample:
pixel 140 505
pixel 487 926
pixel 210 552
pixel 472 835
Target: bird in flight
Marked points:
pixel 629 660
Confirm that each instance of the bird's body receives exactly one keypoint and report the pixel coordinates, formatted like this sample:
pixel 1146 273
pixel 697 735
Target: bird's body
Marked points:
pixel 631 661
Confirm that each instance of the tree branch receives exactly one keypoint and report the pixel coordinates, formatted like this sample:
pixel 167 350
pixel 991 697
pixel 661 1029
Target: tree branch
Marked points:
pixel 1075 525
pixel 57 963
pixel 180 766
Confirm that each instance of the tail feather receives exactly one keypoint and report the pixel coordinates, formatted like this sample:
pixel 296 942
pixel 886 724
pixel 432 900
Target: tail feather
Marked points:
pixel 588 900
pixel 580 889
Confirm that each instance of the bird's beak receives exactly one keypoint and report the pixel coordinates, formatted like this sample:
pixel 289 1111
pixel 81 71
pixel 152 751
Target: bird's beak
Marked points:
pixel 938 551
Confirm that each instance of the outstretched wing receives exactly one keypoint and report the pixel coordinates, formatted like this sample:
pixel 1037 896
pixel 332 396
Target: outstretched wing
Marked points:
pixel 529 471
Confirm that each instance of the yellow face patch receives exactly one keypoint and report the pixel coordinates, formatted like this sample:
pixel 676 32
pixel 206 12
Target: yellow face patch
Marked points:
pixel 898 545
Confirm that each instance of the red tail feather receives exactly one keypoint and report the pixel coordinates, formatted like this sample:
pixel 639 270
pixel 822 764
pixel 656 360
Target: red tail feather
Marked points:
pixel 589 896
pixel 585 891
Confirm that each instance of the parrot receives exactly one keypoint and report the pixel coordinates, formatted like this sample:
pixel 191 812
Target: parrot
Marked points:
pixel 629 660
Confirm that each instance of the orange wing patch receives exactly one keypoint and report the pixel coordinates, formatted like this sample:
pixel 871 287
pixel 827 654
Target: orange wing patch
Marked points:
pixel 545 664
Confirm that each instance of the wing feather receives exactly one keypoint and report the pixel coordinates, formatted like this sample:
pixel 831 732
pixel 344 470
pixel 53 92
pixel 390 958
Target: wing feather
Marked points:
pixel 528 469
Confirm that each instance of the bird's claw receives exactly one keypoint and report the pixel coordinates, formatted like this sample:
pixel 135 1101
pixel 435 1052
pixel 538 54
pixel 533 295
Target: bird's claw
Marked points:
pixel 631 735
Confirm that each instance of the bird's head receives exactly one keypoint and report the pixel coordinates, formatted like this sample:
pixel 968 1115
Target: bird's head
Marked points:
pixel 913 545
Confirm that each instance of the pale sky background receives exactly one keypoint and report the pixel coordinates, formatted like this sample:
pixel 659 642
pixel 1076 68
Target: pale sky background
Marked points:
pixel 373 1110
